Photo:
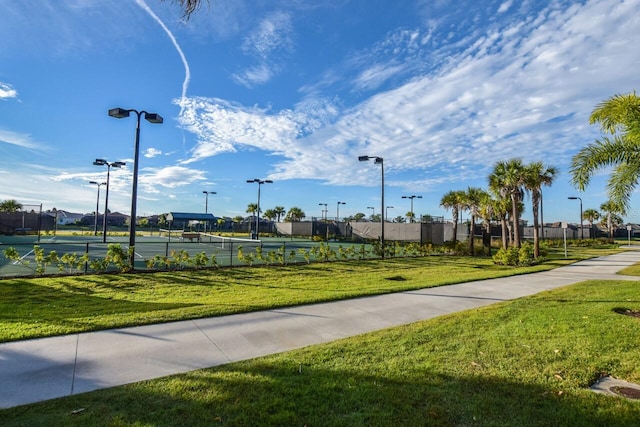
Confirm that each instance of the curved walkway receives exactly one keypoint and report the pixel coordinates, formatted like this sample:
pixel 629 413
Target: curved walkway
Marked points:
pixel 46 368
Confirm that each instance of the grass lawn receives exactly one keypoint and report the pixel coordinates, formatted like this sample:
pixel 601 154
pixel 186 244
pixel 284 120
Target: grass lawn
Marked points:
pixel 38 307
pixel 523 362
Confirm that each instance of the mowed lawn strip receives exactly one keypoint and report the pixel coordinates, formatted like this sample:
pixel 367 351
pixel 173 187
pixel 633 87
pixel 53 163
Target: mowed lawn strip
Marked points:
pixel 524 362
pixel 39 307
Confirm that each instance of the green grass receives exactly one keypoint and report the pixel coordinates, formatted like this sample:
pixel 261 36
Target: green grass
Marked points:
pixel 523 362
pixel 38 307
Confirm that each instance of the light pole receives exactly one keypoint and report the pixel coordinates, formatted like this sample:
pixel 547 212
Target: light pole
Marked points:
pixel 95 223
pixel 206 205
pixel 412 197
pixel 386 211
pixel 103 162
pixel 120 113
pixel 338 210
pixel 324 211
pixel 259 182
pixel 373 211
pixel 581 228
pixel 378 161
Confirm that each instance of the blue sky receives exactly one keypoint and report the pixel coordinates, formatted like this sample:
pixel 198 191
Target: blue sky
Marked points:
pixel 295 91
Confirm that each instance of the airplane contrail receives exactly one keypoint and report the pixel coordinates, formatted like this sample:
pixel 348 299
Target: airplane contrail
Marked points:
pixel 187 71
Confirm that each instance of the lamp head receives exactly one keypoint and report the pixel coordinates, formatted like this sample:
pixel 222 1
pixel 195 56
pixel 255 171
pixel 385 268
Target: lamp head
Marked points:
pixel 118 164
pixel 93 182
pixel 572 198
pixel 153 117
pixel 268 181
pixel 100 162
pixel 378 161
pixel 119 113
pixel 363 158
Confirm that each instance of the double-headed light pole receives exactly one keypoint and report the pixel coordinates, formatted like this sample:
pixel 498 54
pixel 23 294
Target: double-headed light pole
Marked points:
pixel 259 182
pixel 581 227
pixel 324 212
pixel 120 113
pixel 95 221
pixel 411 197
pixel 103 162
pixel 378 161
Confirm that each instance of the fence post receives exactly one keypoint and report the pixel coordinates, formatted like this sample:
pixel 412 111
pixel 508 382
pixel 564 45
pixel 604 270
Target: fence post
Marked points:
pixel 86 263
pixel 230 254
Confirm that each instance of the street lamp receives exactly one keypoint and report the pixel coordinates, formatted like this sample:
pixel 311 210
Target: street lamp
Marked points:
pixel 412 197
pixel 259 182
pixel 95 223
pixel 206 205
pixel 120 113
pixel 386 211
pixel 373 211
pixel 378 161
pixel 324 211
pixel 581 227
pixel 103 162
pixel 338 210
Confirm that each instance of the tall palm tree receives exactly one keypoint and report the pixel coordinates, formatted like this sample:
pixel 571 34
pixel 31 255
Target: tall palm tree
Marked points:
pixel 501 208
pixel 536 175
pixel 252 208
pixel 507 180
pixel 269 214
pixel 279 211
pixel 453 200
pixel 619 118
pixel 473 198
pixel 592 216
pixel 611 208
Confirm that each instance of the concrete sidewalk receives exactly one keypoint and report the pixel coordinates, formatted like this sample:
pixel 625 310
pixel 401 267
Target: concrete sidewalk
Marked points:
pixel 47 368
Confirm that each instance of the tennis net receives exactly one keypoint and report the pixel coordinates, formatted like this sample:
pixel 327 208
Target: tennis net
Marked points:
pixel 227 242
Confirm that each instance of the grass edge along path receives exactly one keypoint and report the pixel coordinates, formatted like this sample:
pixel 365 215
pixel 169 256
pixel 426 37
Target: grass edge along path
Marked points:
pixel 522 362
pixel 48 306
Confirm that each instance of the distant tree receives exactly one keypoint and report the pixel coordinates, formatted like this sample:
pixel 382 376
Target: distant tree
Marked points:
pixel 507 180
pixel 375 218
pixel 536 175
pixel 474 198
pixel 270 214
pixel 453 200
pixel 410 216
pixel 252 208
pixel 399 219
pixel 591 215
pixel 280 211
pixel 295 214
pixel 10 205
pixel 359 217
pixel 612 209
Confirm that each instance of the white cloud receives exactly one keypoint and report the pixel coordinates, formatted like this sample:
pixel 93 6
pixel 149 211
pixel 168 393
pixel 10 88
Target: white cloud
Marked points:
pixel 21 140
pixel 152 152
pixel 505 6
pixel 7 91
pixel 169 177
pixel 523 88
pixel 269 42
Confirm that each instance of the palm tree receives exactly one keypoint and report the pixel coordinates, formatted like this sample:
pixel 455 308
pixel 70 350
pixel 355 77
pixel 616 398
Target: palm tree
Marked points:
pixel 10 205
pixel 537 175
pixel 279 211
pixel 501 208
pixel 410 216
pixel 507 180
pixel 612 209
pixel 619 117
pixel 269 214
pixel 453 200
pixel 473 199
pixel 592 216
pixel 295 214
pixel 252 208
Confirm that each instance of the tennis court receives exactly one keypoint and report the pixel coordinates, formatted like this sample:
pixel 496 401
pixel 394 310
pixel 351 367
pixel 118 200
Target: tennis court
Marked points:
pixel 155 251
